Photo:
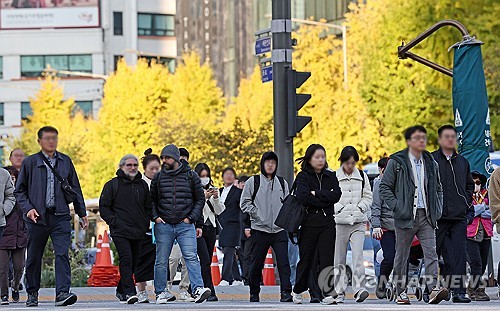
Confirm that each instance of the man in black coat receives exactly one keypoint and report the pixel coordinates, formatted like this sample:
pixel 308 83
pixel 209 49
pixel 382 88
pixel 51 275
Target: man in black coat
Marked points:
pixel 40 195
pixel 178 201
pixel 458 188
pixel 230 220
pixel 125 205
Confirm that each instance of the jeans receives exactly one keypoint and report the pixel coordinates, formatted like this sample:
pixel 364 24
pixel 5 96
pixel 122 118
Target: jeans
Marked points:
pixel 376 247
pixel 478 253
pixel 185 234
pixel 388 243
pixel 293 258
pixel 128 255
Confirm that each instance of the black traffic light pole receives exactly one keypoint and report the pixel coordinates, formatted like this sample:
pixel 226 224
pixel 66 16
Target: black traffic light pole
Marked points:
pixel 281 28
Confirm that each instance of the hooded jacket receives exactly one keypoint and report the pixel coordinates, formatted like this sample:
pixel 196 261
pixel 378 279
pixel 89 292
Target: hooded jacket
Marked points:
pixel 458 186
pixel 397 189
pixel 268 201
pixel 355 201
pixel 382 216
pixel 177 194
pixel 126 208
pixel 7 200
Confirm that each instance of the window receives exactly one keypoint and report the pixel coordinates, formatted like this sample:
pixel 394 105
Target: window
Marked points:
pixel 2 113
pixel 167 62
pixel 34 65
pixel 118 23
pixel 1 67
pixel 155 25
pixel 116 60
pixel 26 111
pixel 85 107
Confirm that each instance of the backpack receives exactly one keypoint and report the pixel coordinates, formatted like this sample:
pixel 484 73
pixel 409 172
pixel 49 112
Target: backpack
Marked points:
pixel 363 182
pixel 115 184
pixel 256 185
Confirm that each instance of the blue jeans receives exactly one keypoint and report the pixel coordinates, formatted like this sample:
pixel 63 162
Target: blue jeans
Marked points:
pixel 185 234
pixel 293 258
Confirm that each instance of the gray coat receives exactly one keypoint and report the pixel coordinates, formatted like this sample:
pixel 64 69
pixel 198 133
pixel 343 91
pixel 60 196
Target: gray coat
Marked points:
pixel 398 189
pixel 7 200
pixel 381 216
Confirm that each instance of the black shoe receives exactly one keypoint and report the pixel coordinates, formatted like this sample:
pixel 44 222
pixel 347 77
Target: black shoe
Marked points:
pixel 461 298
pixel 212 298
pixel 21 286
pixel 132 299
pixel 32 300
pixel 65 299
pixel 15 296
pixel 286 297
pixel 5 300
pixel 315 300
pixel 254 298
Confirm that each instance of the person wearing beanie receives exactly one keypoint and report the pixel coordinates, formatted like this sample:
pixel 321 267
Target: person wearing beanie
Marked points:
pixel 178 201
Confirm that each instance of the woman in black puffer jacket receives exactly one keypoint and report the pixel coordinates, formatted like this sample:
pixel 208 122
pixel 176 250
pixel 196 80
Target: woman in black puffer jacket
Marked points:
pixel 317 190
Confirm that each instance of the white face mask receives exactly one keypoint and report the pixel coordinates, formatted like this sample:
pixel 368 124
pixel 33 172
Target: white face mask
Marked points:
pixel 204 181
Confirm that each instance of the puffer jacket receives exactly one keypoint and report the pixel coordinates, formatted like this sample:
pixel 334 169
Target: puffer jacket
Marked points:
pixel 177 194
pixel 355 201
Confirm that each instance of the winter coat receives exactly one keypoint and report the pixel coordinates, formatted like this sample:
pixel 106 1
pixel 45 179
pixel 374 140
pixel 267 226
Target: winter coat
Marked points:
pixel 482 215
pixel 217 207
pixel 382 216
pixel 15 233
pixel 230 219
pixel 126 206
pixel 398 189
pixel 7 199
pixel 355 201
pixel 31 187
pixel 177 194
pixel 320 206
pixel 494 195
pixel 268 201
pixel 458 186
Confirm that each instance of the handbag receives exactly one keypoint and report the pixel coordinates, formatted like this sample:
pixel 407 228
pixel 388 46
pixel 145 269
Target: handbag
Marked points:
pixel 70 194
pixel 291 215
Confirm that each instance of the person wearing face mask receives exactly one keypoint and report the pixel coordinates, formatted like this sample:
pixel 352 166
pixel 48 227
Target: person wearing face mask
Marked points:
pixel 125 205
pixel 206 238
pixel 351 214
pixel 146 262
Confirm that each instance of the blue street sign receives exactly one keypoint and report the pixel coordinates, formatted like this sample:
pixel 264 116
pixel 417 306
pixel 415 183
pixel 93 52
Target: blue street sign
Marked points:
pixel 262 45
pixel 267 74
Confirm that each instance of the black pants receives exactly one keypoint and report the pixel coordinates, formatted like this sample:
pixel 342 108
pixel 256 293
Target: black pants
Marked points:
pixel 388 244
pixel 205 246
pixel 240 253
pixel 247 257
pixel 18 259
pixel 230 270
pixel 478 259
pixel 260 244
pixel 128 254
pixel 58 228
pixel 146 262
pixel 314 242
pixel 451 240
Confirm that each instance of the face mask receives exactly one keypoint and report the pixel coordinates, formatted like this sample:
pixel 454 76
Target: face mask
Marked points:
pixel 205 181
pixel 477 188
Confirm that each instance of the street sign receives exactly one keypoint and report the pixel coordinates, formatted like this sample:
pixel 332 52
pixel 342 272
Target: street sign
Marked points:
pixel 263 45
pixel 267 74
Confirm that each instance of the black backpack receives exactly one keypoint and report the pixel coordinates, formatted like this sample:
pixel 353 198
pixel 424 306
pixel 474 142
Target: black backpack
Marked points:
pixel 256 185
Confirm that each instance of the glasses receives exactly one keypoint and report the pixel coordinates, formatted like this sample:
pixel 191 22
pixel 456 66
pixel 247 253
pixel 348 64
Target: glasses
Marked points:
pixel 132 165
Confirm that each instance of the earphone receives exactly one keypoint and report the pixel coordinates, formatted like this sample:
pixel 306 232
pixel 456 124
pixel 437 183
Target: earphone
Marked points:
pixel 456 186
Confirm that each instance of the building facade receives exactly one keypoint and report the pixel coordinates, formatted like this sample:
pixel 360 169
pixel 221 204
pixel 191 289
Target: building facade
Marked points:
pixel 82 38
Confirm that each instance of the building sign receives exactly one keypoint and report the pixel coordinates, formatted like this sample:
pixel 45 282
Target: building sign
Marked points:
pixel 25 14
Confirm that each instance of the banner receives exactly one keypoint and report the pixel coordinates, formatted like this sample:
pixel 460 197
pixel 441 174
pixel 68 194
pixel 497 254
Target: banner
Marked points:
pixel 470 107
pixel 26 14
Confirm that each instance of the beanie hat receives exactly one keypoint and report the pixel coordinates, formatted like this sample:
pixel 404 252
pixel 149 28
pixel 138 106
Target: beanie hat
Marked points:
pixel 171 151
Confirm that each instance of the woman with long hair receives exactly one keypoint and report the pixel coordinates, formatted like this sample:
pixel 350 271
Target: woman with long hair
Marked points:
pixel 317 189
pixel 145 265
pixel 206 241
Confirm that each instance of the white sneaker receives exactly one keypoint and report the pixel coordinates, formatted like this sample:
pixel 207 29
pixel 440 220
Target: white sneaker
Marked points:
pixel 328 300
pixel 224 283
pixel 361 295
pixel 297 298
pixel 164 297
pixel 340 298
pixel 237 283
pixel 143 297
pixel 185 296
pixel 201 294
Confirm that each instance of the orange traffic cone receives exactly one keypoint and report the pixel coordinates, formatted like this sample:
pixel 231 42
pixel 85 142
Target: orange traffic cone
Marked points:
pixel 269 279
pixel 105 256
pixel 215 268
pixel 104 273
pixel 98 252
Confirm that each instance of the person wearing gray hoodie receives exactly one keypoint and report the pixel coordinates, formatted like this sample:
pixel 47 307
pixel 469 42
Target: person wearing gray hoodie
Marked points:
pixel 262 200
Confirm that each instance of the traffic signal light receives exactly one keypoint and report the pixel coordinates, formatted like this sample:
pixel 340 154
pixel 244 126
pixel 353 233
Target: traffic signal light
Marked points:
pixel 296 101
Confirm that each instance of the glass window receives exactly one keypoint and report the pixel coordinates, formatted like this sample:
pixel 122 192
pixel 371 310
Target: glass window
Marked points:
pixel 26 111
pixel 160 25
pixel 2 113
pixel 34 65
pixel 85 107
pixel 166 61
pixel 116 59
pixel 118 23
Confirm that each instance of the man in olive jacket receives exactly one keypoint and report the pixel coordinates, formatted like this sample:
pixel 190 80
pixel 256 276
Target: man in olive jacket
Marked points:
pixel 412 189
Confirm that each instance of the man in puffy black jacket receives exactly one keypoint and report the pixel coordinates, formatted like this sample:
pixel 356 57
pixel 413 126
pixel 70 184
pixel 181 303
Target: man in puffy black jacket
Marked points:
pixel 458 188
pixel 125 205
pixel 178 200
